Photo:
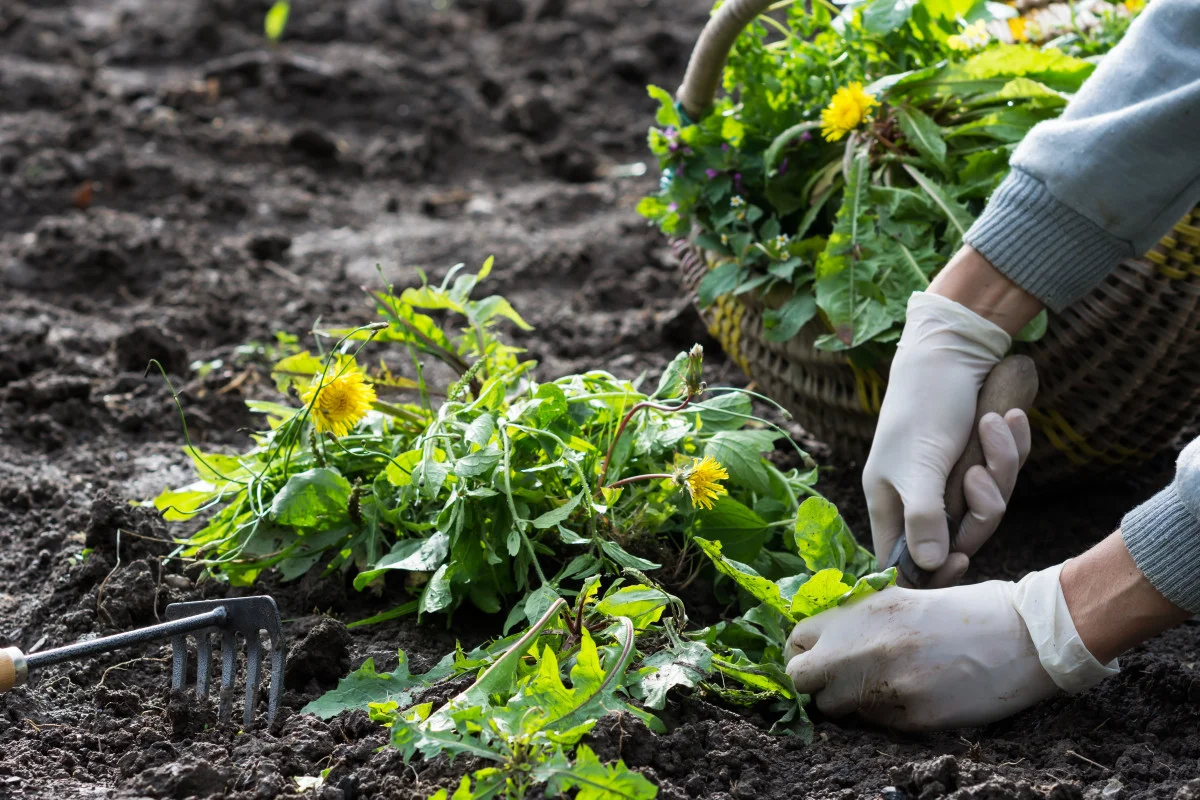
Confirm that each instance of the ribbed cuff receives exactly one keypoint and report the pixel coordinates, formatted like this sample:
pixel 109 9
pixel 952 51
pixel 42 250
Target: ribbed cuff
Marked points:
pixel 1163 537
pixel 1046 247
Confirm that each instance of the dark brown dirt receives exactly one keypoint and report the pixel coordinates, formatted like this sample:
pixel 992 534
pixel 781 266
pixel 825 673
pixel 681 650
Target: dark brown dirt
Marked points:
pixel 171 188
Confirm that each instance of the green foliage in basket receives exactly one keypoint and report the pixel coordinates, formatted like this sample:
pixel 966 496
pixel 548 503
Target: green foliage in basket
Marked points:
pixel 851 151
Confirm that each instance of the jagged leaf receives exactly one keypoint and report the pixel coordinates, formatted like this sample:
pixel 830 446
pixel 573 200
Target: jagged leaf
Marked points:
pixel 594 780
pixel 684 664
pixel 760 588
pixel 365 686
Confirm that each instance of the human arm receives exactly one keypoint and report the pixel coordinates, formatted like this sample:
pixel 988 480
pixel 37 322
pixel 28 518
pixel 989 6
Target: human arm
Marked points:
pixel 1101 183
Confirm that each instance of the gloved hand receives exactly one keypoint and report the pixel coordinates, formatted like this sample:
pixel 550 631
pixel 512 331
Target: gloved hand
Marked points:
pixel 943 658
pixel 943 358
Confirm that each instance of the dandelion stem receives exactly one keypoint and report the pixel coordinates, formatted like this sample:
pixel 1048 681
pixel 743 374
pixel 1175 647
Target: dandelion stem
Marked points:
pixel 648 477
pixel 625 422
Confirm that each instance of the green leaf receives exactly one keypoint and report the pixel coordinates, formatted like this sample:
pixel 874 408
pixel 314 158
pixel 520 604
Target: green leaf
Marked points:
pixel 922 133
pixel 782 323
pixel 400 469
pixel 667 114
pixel 625 559
pixel 216 468
pixel 723 412
pixel 437 594
pixel 1024 89
pixel 483 311
pixel 478 464
pixel 683 664
pixel 740 531
pixel 1001 63
pixel 312 499
pixel 739 452
pixel 827 589
pixel 276 20
pixel 717 282
pixel 824 542
pixel 819 592
pixel 365 686
pixel 760 677
pixel 545 703
pixel 960 219
pixel 1035 329
pixel 758 587
pixel 839 271
pixel 538 602
pixel 480 430
pixel 1007 125
pixel 411 556
pixel 881 17
pixel 594 780
pixel 557 515
pixel 772 153
pixel 182 504
pixel 553 405
pixel 670 383
pixel 642 604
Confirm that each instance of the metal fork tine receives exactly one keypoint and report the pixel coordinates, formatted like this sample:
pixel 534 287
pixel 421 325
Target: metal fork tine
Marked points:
pixel 228 662
pixel 254 656
pixel 278 655
pixel 203 664
pixel 178 662
pixel 256 620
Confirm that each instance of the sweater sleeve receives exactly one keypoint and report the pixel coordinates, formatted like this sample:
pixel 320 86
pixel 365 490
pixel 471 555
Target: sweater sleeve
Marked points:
pixel 1163 534
pixel 1111 175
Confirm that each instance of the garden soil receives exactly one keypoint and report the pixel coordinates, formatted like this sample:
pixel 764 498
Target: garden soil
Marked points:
pixel 172 188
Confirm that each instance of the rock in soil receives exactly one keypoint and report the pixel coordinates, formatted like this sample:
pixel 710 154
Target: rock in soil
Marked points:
pixel 134 350
pixel 322 656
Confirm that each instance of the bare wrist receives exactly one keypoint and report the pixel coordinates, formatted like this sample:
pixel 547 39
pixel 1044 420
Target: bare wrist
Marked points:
pixel 1112 604
pixel 969 279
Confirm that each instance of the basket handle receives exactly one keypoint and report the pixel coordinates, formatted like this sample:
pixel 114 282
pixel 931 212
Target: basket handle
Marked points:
pixel 703 75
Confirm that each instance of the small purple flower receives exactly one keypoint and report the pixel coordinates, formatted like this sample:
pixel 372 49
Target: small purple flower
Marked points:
pixel 806 136
pixel 670 133
pixel 672 206
pixel 711 173
pixel 783 166
pixel 737 181
pixel 673 146
pixel 687 151
pixel 724 147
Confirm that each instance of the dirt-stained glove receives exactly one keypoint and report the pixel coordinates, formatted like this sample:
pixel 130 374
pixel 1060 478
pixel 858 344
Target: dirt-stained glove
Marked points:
pixel 942 360
pixel 943 658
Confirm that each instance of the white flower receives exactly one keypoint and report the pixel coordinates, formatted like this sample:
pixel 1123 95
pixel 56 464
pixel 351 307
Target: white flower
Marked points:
pixel 781 241
pixel 736 201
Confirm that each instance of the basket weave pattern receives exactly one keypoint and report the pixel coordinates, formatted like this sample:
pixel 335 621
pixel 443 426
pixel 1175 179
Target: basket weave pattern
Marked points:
pixel 1119 370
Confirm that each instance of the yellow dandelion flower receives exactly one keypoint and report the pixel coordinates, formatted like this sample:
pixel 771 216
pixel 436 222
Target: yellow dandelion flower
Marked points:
pixel 1134 6
pixel 1017 26
pixel 849 107
pixel 340 401
pixel 702 479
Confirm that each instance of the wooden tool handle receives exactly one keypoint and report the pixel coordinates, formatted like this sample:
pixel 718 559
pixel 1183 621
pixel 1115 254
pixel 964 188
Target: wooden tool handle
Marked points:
pixel 13 671
pixel 1013 383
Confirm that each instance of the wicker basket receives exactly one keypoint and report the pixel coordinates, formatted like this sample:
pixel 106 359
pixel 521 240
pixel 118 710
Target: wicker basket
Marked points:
pixel 1119 370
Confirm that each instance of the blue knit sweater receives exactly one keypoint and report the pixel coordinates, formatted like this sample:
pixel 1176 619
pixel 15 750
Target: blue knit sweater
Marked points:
pixel 1105 182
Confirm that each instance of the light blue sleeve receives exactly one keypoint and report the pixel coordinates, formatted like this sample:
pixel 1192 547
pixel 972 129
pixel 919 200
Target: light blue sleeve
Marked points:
pixel 1108 178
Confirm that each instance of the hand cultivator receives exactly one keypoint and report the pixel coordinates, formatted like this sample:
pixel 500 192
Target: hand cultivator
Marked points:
pixel 245 615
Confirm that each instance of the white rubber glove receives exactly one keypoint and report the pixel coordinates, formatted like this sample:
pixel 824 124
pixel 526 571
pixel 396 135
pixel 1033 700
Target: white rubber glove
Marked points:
pixel 942 360
pixel 943 658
